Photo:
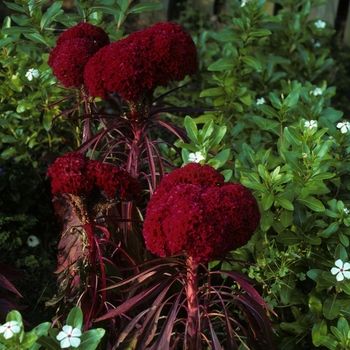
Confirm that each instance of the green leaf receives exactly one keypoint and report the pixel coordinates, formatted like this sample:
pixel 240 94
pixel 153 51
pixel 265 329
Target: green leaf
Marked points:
pixel 47 119
pixel 260 32
pixel 312 203
pixel 287 289
pixel 218 136
pixel 265 124
pixel 293 136
pixel 268 110
pixel 331 308
pixel 75 318
pixel 146 7
pixel 284 203
pixel 253 62
pixel 91 339
pixel 288 238
pixel 15 7
pixel 292 99
pixel 217 91
pixel 294 327
pixel 36 37
pixel 50 14
pixel 319 329
pixel 227 174
pixel 333 227
pixel 222 64
pixel 315 305
pixel 267 200
pixel 18 30
pixel 292 159
pixel 222 157
pixel 191 129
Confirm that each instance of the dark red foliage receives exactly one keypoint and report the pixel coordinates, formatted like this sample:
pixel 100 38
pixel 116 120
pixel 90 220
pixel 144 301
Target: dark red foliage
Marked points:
pixel 76 174
pixel 136 65
pixel 68 60
pixel 194 211
pixel 85 30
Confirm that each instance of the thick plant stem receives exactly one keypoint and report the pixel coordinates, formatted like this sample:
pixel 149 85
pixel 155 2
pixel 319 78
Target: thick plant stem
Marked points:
pixel 193 326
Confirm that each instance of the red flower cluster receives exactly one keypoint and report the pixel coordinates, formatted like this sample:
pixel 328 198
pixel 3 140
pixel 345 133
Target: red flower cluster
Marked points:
pixel 136 65
pixel 73 49
pixel 78 175
pixel 195 211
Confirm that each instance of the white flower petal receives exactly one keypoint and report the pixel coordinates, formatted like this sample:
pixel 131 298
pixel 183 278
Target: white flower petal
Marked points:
pixel 65 343
pixel 75 342
pixel 340 276
pixel 334 270
pixel 339 263
pixel 8 333
pixel 76 332
pixel 346 274
pixel 67 329
pixel 346 266
pixel 344 129
pixel 61 335
pixel 15 329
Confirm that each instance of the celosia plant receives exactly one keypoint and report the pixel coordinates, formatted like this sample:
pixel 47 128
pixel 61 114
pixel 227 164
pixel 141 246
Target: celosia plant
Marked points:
pixel 136 65
pixel 74 48
pixel 194 211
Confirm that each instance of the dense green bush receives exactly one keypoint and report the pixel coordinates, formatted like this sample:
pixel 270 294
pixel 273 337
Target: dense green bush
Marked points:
pixel 267 82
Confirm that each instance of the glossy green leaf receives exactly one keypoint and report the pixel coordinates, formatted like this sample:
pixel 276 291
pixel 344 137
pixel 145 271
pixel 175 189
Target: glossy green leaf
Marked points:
pixel 217 91
pixel 312 203
pixel 331 308
pixel 191 129
pixel 253 62
pixel 288 238
pixel 222 64
pixel 75 317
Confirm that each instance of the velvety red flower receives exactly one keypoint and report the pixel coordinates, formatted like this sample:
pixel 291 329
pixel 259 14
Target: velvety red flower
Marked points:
pixel 78 175
pixel 69 174
pixel 204 217
pixel 85 30
pixel 68 60
pixel 136 65
pixel 114 182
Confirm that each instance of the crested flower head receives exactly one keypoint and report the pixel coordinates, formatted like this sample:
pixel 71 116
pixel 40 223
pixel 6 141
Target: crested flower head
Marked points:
pixel 136 65
pixel 85 30
pixel 69 174
pixel 68 60
pixel 113 181
pixel 193 211
pixel 78 175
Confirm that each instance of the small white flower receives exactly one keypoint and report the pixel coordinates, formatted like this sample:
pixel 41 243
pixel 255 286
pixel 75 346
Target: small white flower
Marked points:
pixel 195 157
pixel 304 155
pixel 32 73
pixel 33 241
pixel 311 124
pixel 341 270
pixel 344 127
pixel 317 44
pixel 10 328
pixel 244 2
pixel 320 24
pixel 260 101
pixel 69 336
pixel 317 91
pixel 346 211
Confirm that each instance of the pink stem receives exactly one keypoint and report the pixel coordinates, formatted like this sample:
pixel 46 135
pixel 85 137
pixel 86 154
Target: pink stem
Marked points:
pixel 193 330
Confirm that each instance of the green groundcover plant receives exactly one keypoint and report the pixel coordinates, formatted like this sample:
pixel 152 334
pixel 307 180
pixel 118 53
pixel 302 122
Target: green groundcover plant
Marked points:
pixel 227 229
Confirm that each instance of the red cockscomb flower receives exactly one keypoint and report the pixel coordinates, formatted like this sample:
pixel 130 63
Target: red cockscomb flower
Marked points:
pixel 68 60
pixel 69 174
pixel 204 217
pixel 78 175
pixel 136 65
pixel 85 30
pixel 114 182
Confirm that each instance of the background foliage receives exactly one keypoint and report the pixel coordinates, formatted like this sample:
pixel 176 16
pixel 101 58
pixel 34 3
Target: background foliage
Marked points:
pixel 299 175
